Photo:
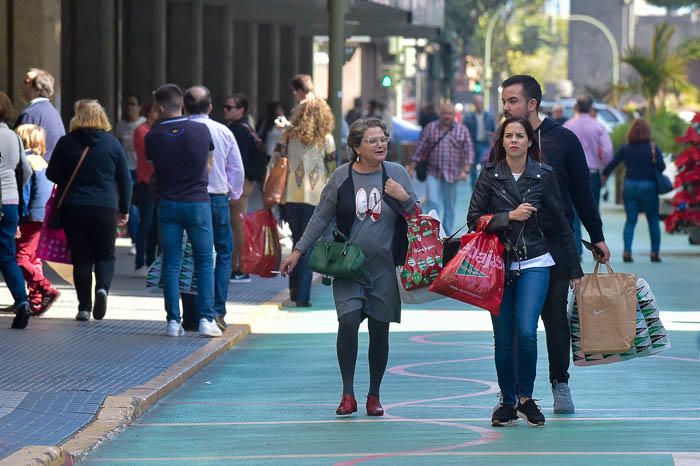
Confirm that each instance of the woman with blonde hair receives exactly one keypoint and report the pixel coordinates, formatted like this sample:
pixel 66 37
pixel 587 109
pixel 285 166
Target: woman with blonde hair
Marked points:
pixel 95 202
pixel 12 162
pixel 37 192
pixel 310 149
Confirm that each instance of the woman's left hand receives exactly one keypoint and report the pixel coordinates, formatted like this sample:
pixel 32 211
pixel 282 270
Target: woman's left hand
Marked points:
pixel 395 190
pixel 574 284
pixel 122 219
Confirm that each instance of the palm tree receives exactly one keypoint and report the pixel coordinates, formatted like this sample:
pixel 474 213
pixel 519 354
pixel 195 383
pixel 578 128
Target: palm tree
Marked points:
pixel 663 69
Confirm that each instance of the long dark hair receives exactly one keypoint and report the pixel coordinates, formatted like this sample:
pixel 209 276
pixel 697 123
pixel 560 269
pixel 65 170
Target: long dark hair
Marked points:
pixel 499 151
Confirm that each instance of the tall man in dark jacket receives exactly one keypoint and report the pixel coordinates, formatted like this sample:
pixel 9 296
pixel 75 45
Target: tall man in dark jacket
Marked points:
pixel 562 150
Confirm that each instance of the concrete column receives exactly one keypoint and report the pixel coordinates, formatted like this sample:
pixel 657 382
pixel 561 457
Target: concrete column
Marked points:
pixel 218 54
pixel 268 65
pixel 184 43
pixel 88 50
pixel 370 73
pixel 29 38
pixel 306 54
pixel 143 46
pixel 245 71
pixel 289 63
pixel 336 48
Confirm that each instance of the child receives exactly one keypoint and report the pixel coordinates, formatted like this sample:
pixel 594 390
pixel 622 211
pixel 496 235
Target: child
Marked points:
pixel 37 191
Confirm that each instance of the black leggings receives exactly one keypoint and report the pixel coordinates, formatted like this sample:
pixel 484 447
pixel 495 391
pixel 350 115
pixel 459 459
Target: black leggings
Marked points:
pixel 346 346
pixel 91 232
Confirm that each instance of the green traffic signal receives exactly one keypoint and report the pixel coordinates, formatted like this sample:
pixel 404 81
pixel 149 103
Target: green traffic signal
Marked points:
pixel 477 87
pixel 386 81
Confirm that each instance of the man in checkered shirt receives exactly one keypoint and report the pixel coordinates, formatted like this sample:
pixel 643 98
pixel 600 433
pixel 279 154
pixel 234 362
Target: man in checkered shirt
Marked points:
pixel 449 150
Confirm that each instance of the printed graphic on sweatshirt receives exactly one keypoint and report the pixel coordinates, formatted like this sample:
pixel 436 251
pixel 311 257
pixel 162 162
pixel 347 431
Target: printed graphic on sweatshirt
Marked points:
pixel 365 204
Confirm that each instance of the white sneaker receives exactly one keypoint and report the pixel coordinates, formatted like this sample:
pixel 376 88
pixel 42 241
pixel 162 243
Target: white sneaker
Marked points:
pixel 132 251
pixel 208 328
pixel 175 329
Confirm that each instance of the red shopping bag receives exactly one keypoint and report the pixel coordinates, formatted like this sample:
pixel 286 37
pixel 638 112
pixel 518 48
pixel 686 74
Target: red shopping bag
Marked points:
pixel 475 275
pixel 261 254
pixel 424 257
pixel 53 245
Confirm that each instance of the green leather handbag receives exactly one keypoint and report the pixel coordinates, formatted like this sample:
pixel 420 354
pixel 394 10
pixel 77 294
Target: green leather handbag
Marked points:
pixel 337 259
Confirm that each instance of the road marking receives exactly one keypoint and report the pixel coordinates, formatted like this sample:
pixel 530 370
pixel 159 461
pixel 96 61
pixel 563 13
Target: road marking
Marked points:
pixel 136 460
pixel 403 420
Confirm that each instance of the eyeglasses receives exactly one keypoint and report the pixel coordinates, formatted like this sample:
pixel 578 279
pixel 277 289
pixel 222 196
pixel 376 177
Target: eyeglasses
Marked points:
pixel 381 140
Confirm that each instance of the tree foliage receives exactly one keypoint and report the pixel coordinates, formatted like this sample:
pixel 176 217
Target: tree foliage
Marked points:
pixel 662 70
pixel 674 4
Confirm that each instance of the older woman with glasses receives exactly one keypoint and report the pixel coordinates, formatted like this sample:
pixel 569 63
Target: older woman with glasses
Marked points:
pixel 95 203
pixel 369 199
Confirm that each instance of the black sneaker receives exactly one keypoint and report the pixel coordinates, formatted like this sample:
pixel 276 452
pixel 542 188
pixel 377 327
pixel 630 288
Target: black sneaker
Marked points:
pixel 220 322
pixel 240 277
pixel 504 416
pixel 530 412
pixel 21 317
pixel 99 309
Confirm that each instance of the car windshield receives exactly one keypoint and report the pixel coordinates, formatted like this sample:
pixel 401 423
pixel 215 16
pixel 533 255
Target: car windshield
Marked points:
pixel 606 115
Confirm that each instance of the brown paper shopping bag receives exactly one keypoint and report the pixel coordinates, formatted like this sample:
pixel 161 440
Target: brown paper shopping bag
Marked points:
pixel 607 305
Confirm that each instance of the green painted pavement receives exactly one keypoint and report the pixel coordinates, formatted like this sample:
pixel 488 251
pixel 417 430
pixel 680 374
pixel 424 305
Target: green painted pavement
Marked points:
pixel 272 399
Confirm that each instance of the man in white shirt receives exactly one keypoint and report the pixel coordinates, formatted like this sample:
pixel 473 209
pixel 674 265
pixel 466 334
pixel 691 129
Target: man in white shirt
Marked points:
pixel 225 184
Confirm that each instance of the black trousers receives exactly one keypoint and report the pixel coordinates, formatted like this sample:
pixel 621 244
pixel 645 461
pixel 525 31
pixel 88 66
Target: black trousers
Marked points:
pixel 556 322
pixel 91 232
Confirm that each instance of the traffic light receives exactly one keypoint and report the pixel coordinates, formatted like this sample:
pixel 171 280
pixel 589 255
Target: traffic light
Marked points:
pixel 477 87
pixel 386 79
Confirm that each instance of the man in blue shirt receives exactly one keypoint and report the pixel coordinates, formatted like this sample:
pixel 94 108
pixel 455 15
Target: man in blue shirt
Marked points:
pixel 225 184
pixel 181 153
pixel 481 125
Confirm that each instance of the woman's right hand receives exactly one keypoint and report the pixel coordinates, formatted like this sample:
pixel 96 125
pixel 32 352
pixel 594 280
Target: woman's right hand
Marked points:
pixel 289 263
pixel 522 213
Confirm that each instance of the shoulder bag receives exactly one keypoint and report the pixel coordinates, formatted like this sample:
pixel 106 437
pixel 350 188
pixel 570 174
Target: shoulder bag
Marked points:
pixel 422 166
pixel 276 182
pixel 54 218
pixel 663 182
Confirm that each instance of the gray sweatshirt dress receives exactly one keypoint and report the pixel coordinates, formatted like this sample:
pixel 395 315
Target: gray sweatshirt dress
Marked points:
pixel 377 294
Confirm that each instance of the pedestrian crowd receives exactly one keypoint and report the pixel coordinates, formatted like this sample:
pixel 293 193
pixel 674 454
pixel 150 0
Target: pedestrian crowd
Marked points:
pixel 180 181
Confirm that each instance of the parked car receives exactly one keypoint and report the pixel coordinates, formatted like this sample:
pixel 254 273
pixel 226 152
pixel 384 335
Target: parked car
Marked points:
pixel 609 116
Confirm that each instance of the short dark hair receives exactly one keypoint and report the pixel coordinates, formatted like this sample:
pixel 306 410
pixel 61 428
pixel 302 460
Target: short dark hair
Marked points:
pixel 499 151
pixel 7 111
pixel 169 96
pixel 357 132
pixel 241 101
pixel 302 82
pixel 531 88
pixel 135 96
pixel 584 103
pixel 195 105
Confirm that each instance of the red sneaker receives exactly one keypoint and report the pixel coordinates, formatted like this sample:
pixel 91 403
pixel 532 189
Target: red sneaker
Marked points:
pixel 374 407
pixel 47 300
pixel 347 406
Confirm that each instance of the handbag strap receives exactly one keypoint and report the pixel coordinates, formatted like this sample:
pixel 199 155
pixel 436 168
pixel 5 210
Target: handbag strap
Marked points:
pixel 434 146
pixel 72 177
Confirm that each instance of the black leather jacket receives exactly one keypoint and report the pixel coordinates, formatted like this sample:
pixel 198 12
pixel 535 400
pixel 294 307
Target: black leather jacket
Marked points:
pixel 497 193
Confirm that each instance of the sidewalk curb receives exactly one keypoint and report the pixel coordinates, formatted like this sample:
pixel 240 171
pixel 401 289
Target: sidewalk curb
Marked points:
pixel 117 411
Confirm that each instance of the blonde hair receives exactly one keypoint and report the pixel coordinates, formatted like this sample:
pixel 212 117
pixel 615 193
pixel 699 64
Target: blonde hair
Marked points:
pixel 41 80
pixel 89 114
pixel 311 122
pixel 33 137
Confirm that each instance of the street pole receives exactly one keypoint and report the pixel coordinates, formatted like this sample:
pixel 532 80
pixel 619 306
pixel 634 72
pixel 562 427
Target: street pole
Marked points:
pixel 336 55
pixel 609 36
pixel 488 71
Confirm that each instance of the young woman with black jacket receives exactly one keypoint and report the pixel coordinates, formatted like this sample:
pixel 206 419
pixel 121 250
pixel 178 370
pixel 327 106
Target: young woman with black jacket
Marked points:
pixel 523 196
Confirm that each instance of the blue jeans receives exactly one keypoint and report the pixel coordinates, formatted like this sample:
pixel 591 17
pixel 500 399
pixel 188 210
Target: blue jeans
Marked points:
pixel 442 196
pixel 223 244
pixel 134 219
pixel 175 217
pixel 523 298
pixel 8 262
pixel 146 207
pixel 641 195
pixel 480 156
pixel 595 184
pixel 298 216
